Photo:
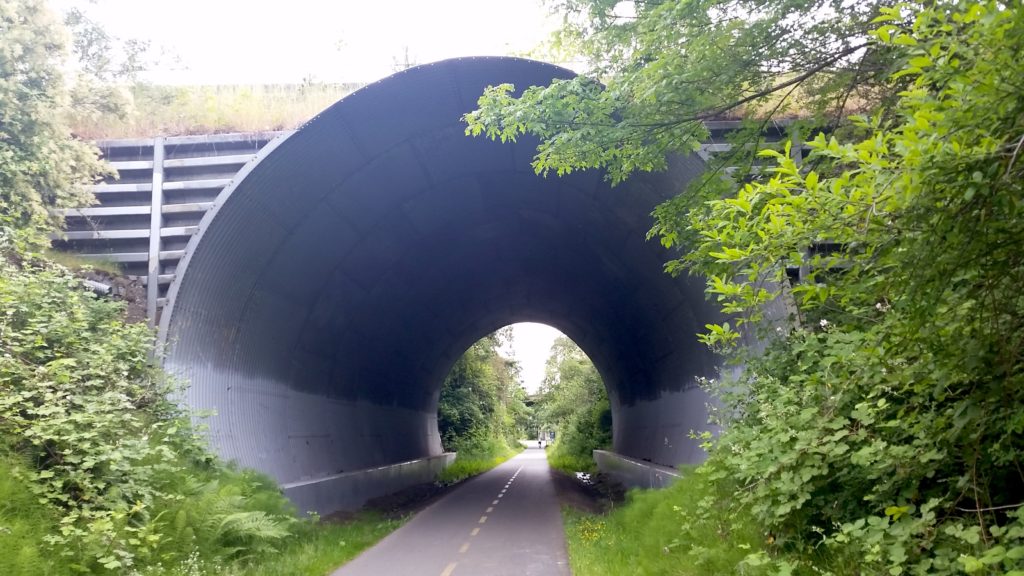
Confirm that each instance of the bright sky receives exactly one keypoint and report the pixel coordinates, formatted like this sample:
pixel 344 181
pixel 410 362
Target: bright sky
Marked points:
pixel 531 344
pixel 258 42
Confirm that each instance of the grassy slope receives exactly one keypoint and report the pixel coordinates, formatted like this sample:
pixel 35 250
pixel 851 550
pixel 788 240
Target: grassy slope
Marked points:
pixel 469 464
pixel 570 463
pixel 325 548
pixel 315 551
pixel 676 531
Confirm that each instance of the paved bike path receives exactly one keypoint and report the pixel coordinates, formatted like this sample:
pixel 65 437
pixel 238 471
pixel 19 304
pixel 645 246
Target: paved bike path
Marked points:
pixel 505 522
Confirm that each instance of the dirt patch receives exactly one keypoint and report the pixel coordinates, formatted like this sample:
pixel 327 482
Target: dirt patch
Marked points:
pixel 123 288
pixel 595 494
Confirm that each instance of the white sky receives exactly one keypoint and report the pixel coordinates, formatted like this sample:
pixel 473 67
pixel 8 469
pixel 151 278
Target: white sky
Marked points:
pixel 531 344
pixel 285 41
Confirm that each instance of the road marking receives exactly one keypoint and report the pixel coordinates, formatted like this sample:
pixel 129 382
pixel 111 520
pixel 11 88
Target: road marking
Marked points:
pixel 501 495
pixel 503 491
pixel 449 569
pixel 483 519
pixel 474 532
pixel 491 509
pixel 494 503
pixel 464 548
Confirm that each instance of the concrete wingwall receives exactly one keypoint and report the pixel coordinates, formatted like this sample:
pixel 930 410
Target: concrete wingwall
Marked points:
pixel 338 278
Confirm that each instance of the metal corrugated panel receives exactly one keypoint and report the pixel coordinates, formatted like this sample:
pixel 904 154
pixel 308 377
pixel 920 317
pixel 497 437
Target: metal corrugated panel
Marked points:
pixel 339 276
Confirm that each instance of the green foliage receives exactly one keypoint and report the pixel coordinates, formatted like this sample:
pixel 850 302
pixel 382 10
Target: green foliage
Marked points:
pixel 101 472
pixel 477 460
pixel 109 449
pixel 322 548
pixel 887 420
pixel 667 66
pixel 574 403
pixel 689 528
pixel 881 425
pixel 24 522
pixel 481 411
pixel 169 110
pixel 41 167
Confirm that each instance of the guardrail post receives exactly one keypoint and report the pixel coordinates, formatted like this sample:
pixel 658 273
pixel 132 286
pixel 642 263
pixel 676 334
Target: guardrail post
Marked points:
pixel 156 220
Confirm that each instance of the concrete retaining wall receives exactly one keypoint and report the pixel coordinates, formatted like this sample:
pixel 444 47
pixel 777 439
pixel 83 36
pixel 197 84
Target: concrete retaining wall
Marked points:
pixel 350 490
pixel 634 473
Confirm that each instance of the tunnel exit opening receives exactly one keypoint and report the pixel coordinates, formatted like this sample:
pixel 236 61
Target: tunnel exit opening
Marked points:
pixel 525 384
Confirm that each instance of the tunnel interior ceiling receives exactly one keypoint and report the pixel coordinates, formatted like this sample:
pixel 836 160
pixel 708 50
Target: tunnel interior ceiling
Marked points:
pixel 340 277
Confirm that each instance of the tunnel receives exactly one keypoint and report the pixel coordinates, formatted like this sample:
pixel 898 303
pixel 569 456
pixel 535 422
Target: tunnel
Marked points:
pixel 345 270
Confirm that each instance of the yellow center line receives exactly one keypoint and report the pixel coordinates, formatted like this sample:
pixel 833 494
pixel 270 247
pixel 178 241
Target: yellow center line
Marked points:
pixel 475 532
pixel 448 569
pixel 483 519
pixel 464 548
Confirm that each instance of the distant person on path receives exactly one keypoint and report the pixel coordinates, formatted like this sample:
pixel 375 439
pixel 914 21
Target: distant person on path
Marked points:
pixel 540 443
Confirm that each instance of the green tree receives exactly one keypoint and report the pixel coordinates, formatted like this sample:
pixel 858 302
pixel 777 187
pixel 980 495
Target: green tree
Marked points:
pixel 42 166
pixel 666 66
pixel 117 480
pixel 882 427
pixel 573 402
pixel 482 406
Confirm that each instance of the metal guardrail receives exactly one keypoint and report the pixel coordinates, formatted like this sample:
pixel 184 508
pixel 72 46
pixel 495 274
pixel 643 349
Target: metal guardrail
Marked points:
pixel 146 213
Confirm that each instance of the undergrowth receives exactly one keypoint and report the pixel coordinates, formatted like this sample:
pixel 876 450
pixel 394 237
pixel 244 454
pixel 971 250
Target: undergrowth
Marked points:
pixel 102 473
pixel 475 455
pixel 584 431
pixel 24 523
pixel 319 549
pixel 687 529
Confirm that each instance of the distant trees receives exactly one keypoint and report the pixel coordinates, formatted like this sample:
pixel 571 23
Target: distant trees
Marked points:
pixel 482 406
pixel 573 402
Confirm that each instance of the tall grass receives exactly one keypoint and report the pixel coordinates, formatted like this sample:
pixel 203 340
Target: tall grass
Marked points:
pixel 682 530
pixel 24 523
pixel 151 110
pixel 323 547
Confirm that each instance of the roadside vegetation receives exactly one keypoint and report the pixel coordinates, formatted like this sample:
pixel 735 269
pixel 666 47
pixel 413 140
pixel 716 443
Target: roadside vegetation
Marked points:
pixel 573 403
pixel 878 428
pixel 482 413
pixel 101 472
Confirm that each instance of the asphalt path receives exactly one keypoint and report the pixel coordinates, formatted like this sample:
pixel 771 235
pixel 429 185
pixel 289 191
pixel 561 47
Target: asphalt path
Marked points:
pixel 505 522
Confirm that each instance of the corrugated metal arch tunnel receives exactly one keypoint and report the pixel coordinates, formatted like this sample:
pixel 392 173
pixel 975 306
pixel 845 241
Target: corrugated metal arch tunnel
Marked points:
pixel 345 270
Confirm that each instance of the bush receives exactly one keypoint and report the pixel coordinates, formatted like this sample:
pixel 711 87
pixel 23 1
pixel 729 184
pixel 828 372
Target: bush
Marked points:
pixel 689 528
pixel 583 432
pixel 110 453
pixel 475 455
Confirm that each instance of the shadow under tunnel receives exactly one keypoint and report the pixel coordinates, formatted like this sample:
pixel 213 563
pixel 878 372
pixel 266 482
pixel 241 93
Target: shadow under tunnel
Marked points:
pixel 344 271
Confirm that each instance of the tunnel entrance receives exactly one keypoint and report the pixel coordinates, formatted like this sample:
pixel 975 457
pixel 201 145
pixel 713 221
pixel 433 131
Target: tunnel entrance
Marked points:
pixel 347 268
